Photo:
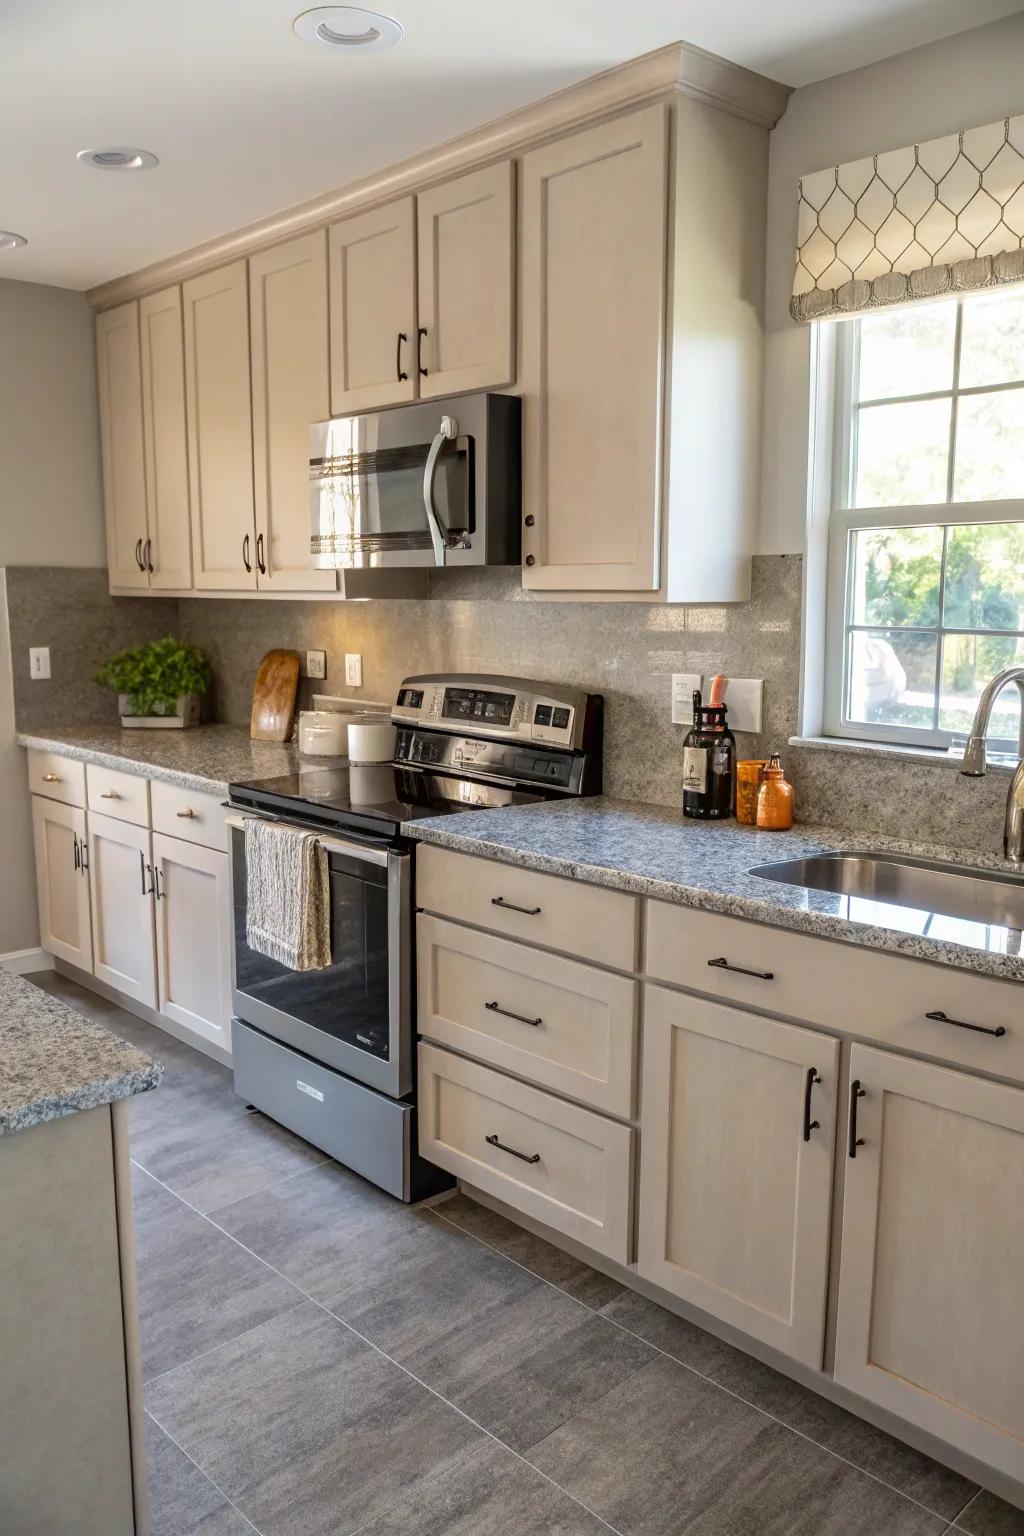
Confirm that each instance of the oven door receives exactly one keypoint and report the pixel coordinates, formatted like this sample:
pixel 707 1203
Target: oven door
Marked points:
pixel 354 1015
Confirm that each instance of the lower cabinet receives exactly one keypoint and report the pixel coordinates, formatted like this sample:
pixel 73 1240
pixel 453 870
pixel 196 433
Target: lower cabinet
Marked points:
pixel 930 1274
pixel 736 1167
pixel 120 881
pixel 62 881
pixel 193 937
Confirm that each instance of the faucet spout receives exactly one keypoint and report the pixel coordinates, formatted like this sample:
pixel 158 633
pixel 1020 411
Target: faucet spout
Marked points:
pixel 975 761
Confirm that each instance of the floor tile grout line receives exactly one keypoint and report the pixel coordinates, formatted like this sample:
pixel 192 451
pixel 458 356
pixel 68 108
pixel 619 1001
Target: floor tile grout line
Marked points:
pixel 202 1471
pixel 151 1381
pixel 262 1190
pixel 666 1354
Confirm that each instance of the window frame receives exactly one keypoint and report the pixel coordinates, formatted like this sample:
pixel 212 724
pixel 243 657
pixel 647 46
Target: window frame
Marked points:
pixel 845 520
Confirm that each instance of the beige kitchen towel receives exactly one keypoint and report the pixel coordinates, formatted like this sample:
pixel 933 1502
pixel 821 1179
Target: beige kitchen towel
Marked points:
pixel 288 895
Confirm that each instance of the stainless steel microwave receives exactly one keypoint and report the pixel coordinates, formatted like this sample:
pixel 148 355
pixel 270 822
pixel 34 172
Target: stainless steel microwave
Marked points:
pixel 432 484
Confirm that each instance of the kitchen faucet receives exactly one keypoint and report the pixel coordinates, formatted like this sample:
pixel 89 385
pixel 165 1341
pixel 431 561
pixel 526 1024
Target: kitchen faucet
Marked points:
pixel 975 761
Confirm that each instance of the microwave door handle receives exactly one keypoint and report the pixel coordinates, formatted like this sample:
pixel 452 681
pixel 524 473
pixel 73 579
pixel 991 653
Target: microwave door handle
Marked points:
pixel 449 431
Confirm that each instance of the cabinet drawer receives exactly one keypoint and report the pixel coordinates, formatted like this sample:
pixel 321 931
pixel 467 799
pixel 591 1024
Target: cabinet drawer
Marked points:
pixel 583 920
pixel 864 992
pixel 563 1025
pixel 56 777
pixel 562 1165
pixel 195 815
pixel 125 796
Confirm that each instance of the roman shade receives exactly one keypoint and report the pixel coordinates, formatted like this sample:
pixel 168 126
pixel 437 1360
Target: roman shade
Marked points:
pixel 946 216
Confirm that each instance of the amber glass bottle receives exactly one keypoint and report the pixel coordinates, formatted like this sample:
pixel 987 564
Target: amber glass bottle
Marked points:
pixel 775 798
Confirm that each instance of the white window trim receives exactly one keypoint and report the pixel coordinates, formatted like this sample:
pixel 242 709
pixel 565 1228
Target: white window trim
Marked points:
pixel 844 520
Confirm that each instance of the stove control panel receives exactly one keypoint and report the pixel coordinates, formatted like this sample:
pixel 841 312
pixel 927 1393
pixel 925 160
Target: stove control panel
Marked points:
pixel 496 708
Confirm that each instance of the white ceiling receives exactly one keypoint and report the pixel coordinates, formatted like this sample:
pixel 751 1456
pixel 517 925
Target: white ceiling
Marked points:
pixel 247 119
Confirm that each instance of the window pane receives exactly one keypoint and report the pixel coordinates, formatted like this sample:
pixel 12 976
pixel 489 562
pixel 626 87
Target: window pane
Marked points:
pixel 984 577
pixel 989 446
pixel 896 574
pixel 968 663
pixel 902 454
pixel 907 352
pixel 892 678
pixel 992 343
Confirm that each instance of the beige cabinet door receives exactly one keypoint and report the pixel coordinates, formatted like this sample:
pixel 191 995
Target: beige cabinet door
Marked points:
pixel 737 1136
pixel 121 886
pixel 119 378
pixel 290 390
pixel 61 881
pixel 465 236
pixel 594 270
pixel 168 551
pixel 373 309
pixel 219 414
pixel 193 937
pixel 930 1287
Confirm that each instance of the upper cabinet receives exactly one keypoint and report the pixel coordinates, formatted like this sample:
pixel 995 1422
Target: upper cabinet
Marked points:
pixel 119 374
pixel 465 231
pixel 373 309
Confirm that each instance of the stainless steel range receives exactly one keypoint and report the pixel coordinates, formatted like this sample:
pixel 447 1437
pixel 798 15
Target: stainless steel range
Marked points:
pixel 331 1053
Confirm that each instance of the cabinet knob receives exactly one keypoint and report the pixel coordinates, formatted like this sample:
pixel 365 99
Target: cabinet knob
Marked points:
pixel 530 560
pixel 51 778
pixel 187 814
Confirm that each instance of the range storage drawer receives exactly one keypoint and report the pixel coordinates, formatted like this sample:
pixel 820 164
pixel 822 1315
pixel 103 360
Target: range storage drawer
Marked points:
pixel 863 992
pixel 558 1023
pixel 583 920
pixel 111 792
pixel 198 816
pixel 56 777
pixel 562 1165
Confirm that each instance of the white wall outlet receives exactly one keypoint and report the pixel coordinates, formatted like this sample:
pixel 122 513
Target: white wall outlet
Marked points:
pixel 353 670
pixel 39 662
pixel 744 699
pixel 316 663
pixel 684 685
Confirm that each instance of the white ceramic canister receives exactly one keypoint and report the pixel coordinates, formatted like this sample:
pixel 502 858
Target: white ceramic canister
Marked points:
pixel 324 733
pixel 371 739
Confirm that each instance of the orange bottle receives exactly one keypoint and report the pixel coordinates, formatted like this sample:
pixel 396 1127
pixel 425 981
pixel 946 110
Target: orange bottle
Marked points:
pixel 775 798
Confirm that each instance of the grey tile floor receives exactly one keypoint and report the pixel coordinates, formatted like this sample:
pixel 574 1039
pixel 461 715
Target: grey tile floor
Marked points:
pixel 321 1361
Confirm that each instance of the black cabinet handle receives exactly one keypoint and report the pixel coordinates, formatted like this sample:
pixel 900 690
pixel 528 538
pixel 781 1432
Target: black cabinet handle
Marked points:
pixel 722 964
pixel 520 1018
pixel 402 375
pixel 138 554
pixel 492 1141
pixel 978 1029
pixel 83 856
pixel 158 888
pixel 245 554
pixel 147 555
pixel 510 906
pixel 260 561
pixel 420 338
pixel 813 1076
pixel 78 853
pixel 856 1092
pixel 142 872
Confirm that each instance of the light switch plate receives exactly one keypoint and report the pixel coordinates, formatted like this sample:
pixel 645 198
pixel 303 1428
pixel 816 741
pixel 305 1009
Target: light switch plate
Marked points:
pixel 316 663
pixel 353 669
pixel 744 699
pixel 39 662
pixel 684 685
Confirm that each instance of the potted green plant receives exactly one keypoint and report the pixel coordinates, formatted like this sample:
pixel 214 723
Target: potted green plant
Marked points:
pixel 160 683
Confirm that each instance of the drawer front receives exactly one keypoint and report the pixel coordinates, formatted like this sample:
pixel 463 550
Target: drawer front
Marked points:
pixel 863 992
pixel 125 796
pixel 56 777
pixel 562 1165
pixel 195 815
pixel 558 1023
pixel 583 920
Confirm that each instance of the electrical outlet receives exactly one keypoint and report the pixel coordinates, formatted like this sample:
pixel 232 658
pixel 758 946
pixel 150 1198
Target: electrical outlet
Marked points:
pixel 684 685
pixel 353 670
pixel 744 698
pixel 316 663
pixel 39 662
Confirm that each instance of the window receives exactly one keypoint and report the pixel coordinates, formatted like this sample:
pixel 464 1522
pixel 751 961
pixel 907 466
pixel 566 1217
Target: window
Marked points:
pixel 926 545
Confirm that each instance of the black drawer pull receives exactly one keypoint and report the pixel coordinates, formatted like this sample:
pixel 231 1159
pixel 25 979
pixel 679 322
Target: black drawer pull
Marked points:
pixel 492 1141
pixel 510 906
pixel 520 1018
pixel 813 1076
pixel 722 964
pixel 856 1092
pixel 978 1029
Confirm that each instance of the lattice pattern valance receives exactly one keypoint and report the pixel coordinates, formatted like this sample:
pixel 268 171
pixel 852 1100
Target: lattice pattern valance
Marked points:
pixel 941 217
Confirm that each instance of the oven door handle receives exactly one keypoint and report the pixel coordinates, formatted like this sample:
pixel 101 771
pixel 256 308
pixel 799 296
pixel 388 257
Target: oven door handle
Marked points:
pixel 360 851
pixel 438 536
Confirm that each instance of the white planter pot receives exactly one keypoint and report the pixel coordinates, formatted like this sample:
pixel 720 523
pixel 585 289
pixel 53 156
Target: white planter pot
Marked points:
pixel 185 712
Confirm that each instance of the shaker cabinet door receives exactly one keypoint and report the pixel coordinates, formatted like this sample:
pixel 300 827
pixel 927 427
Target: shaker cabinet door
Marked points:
pixel 119 379
pixel 168 553
pixel 120 882
pixel 373 309
pixel 62 881
pixel 193 937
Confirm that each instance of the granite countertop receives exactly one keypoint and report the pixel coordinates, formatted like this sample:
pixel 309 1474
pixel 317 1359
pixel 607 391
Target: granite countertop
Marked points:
pixel 204 757
pixel 655 851
pixel 54 1062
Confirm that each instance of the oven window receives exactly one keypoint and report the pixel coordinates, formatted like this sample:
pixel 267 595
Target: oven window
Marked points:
pixel 349 999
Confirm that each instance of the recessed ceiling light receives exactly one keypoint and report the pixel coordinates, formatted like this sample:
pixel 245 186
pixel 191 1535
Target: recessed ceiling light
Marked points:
pixel 118 157
pixel 349 27
pixel 9 241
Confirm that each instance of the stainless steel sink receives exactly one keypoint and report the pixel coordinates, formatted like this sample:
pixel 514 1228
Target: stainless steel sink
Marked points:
pixel 951 890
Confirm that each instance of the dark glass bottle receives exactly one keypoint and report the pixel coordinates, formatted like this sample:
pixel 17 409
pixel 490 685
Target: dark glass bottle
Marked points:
pixel 709 764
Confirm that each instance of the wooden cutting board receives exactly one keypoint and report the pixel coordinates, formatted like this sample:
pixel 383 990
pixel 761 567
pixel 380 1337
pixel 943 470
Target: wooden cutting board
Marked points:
pixel 273 696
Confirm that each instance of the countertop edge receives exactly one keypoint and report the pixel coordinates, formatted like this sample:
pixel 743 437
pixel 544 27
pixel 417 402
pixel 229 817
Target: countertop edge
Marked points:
pixel 86 754
pixel 95 1095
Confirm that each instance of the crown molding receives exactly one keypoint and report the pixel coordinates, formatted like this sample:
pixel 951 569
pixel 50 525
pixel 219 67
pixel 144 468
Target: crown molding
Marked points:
pixel 678 69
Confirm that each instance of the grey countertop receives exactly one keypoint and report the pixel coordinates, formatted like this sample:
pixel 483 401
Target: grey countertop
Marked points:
pixel 206 757
pixel 655 851
pixel 53 1062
